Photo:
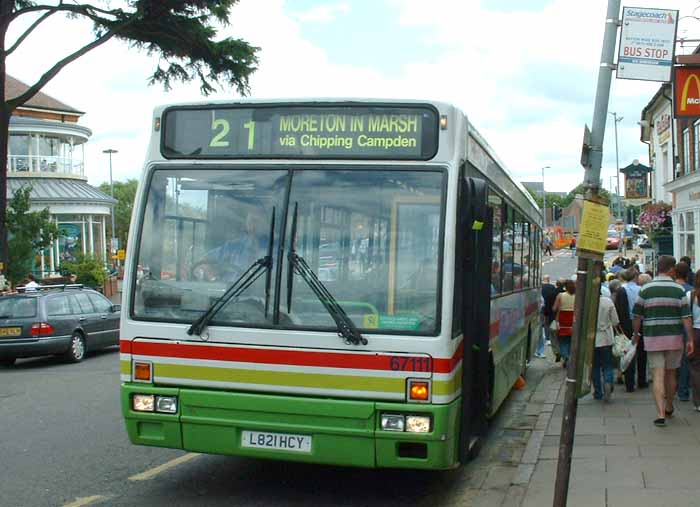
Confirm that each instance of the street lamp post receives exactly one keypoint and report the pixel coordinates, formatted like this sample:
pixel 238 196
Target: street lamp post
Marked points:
pixel 617 164
pixel 544 200
pixel 109 152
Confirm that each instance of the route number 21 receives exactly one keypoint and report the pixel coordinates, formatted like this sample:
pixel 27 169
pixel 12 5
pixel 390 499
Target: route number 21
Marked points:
pixel 221 128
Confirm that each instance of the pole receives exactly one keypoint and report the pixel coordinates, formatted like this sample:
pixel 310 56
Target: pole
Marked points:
pixel 111 191
pixel 617 164
pixel 586 268
pixel 544 201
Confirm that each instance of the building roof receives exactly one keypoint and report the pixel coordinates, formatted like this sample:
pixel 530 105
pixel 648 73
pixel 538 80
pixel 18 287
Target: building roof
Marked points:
pixel 15 87
pixel 534 186
pixel 59 190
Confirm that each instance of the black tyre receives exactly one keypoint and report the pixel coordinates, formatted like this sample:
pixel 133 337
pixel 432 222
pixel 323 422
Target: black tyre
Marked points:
pixel 7 361
pixel 76 351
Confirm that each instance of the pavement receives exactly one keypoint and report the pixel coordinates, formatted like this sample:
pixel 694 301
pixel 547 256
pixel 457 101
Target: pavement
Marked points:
pixel 620 458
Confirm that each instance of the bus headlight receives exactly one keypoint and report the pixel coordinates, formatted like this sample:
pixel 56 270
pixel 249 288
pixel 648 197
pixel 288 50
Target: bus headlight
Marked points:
pixel 418 424
pixel 143 402
pixel 167 404
pixel 393 422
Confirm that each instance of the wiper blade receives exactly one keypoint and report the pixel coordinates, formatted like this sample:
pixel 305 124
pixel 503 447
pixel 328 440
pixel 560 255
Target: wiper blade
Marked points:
pixel 297 265
pixel 241 284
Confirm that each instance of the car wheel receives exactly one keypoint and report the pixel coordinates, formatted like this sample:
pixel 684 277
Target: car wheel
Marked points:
pixel 7 361
pixel 76 351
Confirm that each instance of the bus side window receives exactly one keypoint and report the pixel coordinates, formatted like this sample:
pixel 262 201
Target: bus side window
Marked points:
pixel 508 248
pixel 496 204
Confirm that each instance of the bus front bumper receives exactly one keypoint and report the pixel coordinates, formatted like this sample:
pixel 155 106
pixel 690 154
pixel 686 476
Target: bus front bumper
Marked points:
pixel 342 432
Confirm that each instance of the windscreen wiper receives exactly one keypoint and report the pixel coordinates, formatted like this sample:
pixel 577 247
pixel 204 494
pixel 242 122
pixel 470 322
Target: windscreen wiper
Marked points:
pixel 297 265
pixel 242 283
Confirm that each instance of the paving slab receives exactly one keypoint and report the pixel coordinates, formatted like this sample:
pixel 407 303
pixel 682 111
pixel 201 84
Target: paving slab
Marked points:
pixel 499 477
pixel 553 440
pixel 668 451
pixel 660 472
pixel 592 451
pixel 541 495
pixel 634 497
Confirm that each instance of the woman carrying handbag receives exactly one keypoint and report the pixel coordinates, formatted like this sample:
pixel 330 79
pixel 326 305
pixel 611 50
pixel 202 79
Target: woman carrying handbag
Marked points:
pixel 564 310
pixel 602 354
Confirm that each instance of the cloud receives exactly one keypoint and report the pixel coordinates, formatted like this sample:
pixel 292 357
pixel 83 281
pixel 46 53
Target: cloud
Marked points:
pixel 326 13
pixel 525 78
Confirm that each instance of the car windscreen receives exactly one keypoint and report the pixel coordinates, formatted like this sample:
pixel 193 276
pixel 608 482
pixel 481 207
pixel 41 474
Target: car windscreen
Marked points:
pixel 17 307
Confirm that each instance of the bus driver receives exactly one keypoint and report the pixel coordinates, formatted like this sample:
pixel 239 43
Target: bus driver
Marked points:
pixel 231 259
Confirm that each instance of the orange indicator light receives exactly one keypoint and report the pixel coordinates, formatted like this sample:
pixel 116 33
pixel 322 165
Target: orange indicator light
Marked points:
pixel 419 391
pixel 142 371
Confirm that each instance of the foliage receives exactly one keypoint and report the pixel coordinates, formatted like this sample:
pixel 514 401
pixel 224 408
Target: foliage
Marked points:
pixel 125 194
pixel 88 270
pixel 29 231
pixel 181 33
pixel 552 199
pixel 655 219
pixel 580 190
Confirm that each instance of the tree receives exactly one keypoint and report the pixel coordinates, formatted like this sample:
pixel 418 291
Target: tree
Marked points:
pixel 125 194
pixel 180 32
pixel 552 199
pixel 579 190
pixel 30 231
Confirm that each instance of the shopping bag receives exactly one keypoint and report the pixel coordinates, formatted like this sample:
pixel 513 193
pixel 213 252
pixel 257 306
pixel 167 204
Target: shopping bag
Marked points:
pixel 621 344
pixel 626 360
pixel 554 326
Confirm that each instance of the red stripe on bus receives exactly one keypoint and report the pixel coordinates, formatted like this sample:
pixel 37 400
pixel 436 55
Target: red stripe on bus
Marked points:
pixel 125 346
pixel 447 365
pixel 494 329
pixel 292 357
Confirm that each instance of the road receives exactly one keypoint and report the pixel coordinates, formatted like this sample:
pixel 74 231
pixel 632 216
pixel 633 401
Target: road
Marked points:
pixel 63 444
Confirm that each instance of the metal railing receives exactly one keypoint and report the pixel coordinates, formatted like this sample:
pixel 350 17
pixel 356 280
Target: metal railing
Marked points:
pixel 44 164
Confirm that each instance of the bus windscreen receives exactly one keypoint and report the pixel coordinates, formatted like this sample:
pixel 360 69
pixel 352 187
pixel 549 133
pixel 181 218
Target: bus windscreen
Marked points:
pixel 303 132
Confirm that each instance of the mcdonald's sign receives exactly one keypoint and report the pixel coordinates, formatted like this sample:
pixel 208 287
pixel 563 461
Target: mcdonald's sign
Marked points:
pixel 686 85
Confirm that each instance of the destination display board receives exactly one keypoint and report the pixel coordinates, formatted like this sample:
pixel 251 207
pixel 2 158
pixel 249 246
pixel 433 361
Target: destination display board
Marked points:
pixel 300 131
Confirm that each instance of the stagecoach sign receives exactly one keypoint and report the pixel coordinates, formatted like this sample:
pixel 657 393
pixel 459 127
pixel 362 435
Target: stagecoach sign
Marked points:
pixel 647 42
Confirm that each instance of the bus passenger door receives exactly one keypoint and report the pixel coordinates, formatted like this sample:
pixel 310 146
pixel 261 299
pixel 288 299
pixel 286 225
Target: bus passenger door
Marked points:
pixel 474 272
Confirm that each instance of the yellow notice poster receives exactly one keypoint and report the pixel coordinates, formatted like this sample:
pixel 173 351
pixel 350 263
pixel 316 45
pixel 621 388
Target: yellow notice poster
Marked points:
pixel 593 234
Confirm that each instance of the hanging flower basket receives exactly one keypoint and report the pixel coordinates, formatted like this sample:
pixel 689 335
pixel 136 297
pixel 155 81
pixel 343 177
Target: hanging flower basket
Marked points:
pixel 655 221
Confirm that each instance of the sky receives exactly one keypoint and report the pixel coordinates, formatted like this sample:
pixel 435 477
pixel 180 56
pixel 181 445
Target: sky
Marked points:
pixel 524 71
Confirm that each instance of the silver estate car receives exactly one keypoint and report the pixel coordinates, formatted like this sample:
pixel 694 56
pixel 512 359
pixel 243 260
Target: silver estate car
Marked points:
pixel 65 321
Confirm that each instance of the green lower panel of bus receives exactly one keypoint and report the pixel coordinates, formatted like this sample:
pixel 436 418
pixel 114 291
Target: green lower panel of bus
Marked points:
pixel 294 428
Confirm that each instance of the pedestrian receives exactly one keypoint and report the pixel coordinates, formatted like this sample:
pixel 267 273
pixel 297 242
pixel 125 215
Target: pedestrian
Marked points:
pixel 31 285
pixel 681 274
pixel 619 298
pixel 694 359
pixel 662 313
pixel 691 278
pixel 602 354
pixel 637 369
pixel 564 310
pixel 548 245
pixel 572 247
pixel 549 293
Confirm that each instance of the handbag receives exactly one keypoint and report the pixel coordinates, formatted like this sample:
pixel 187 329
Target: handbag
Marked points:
pixel 621 344
pixel 554 325
pixel 627 358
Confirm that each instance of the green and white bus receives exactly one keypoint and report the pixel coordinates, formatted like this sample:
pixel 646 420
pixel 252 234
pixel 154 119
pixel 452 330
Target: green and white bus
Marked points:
pixel 348 282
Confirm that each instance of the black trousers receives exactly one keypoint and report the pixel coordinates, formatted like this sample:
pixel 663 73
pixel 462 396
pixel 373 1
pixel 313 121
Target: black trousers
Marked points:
pixel 638 368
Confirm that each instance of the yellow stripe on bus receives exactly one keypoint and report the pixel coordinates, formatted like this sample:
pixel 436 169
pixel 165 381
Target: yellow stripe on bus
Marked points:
pixel 291 379
pixel 447 387
pixel 125 367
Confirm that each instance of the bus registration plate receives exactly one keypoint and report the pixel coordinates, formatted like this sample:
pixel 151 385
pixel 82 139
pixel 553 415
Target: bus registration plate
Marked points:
pixel 277 441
